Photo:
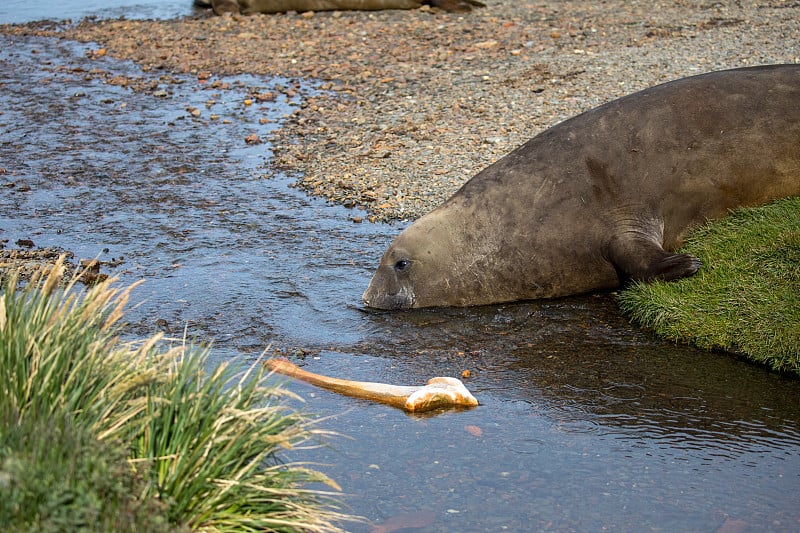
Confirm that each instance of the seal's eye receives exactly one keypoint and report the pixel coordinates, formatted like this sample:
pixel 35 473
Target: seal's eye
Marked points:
pixel 402 265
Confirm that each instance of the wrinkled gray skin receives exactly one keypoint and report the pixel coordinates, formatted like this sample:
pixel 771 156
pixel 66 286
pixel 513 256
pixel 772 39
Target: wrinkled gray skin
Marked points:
pixel 604 196
pixel 280 6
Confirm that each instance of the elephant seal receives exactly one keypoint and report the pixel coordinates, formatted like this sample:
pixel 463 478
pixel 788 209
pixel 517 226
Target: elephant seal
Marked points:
pixel 247 7
pixel 604 196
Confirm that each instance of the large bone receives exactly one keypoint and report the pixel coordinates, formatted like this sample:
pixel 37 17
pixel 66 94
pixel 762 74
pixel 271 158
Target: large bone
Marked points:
pixel 439 392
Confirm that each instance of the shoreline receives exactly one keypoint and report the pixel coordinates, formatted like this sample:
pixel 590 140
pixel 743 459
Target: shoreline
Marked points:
pixel 413 103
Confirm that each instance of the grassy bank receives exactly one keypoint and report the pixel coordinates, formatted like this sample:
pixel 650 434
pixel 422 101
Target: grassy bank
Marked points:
pixel 745 299
pixel 101 435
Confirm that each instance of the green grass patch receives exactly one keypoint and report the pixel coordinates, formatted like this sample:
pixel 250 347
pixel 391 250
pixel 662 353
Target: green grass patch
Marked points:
pixel 745 299
pixel 101 435
pixel 58 477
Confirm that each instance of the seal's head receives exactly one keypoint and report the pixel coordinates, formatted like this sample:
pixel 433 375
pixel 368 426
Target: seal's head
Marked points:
pixel 392 285
pixel 437 261
pixel 413 270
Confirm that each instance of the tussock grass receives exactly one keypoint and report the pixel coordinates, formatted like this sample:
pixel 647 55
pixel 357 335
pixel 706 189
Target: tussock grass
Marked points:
pixel 56 477
pixel 139 436
pixel 745 299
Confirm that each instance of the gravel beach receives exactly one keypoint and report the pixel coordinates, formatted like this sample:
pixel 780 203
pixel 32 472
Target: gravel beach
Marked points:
pixel 413 103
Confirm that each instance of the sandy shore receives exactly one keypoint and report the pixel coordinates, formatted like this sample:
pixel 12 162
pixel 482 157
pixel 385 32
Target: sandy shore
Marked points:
pixel 416 102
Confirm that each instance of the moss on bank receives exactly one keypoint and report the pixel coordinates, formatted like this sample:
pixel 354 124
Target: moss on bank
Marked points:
pixel 745 299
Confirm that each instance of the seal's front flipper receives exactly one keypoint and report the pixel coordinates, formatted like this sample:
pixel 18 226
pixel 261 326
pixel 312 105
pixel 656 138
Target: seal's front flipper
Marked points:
pixel 672 267
pixel 640 258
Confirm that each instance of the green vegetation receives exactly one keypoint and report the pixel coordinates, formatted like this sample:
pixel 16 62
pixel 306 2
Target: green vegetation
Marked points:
pixel 101 435
pixel 745 299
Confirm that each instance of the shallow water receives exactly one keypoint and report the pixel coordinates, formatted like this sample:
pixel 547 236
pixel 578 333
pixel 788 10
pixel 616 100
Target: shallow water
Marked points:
pixel 585 423
pixel 20 11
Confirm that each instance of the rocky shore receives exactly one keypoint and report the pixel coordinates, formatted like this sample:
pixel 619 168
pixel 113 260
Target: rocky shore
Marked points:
pixel 412 103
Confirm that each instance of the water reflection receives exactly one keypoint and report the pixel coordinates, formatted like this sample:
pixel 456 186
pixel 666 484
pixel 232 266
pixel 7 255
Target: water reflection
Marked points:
pixel 582 360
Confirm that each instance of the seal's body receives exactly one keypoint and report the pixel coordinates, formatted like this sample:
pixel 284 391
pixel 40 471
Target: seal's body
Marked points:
pixel 248 7
pixel 603 196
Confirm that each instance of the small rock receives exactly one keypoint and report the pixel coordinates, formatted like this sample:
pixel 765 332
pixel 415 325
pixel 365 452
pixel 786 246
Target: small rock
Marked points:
pixel 265 97
pixel 475 431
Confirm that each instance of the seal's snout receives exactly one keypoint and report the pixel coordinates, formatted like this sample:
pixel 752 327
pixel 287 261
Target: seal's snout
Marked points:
pixel 372 296
pixel 384 292
pixel 380 300
pixel 366 298
pixel 369 295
